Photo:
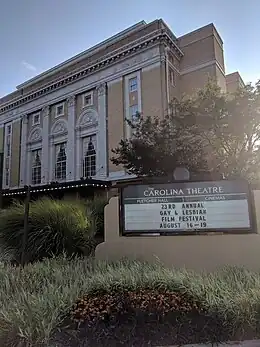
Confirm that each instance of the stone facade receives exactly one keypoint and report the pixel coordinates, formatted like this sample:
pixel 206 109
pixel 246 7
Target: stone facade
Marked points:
pixel 63 124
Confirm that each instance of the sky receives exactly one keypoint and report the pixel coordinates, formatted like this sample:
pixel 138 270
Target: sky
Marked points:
pixel 36 35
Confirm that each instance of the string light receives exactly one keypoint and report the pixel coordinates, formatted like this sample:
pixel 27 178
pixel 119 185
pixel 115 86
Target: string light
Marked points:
pixel 56 188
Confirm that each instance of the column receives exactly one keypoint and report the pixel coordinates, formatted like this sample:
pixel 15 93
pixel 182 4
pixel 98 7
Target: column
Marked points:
pixel 79 157
pixel 45 145
pixel 24 165
pixel 102 157
pixel 28 173
pixel 71 101
pixel 52 160
pixel 167 79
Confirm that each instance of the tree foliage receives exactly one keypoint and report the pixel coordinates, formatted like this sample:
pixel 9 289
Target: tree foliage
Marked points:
pixel 211 130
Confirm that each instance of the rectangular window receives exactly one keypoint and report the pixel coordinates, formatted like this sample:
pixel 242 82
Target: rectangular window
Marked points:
pixel 133 84
pixel 61 161
pixel 133 113
pixel 59 110
pixel 7 154
pixel 87 99
pixel 36 166
pixel 36 119
pixel 171 58
pixel 89 156
pixel 8 150
pixel 172 77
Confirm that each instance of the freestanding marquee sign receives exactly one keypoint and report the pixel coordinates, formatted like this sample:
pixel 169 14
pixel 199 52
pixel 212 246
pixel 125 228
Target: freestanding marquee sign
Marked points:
pixel 189 207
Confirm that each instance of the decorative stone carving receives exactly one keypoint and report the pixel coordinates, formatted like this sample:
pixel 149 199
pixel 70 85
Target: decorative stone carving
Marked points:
pixel 36 135
pixel 101 89
pixel 25 118
pixel 60 127
pixel 46 110
pixel 71 100
pixel 88 119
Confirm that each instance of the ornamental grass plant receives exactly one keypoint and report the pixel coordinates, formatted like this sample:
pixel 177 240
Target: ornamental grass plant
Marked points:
pixel 54 227
pixel 40 303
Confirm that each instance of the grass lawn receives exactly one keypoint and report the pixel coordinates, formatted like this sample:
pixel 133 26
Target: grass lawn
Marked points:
pixel 61 302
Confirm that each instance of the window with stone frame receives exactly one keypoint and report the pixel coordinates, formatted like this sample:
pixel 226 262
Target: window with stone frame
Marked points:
pixel 59 110
pixel 133 86
pixel 36 119
pixel 61 161
pixel 87 99
pixel 89 156
pixel 134 117
pixel 172 77
pixel 134 113
pixel 36 166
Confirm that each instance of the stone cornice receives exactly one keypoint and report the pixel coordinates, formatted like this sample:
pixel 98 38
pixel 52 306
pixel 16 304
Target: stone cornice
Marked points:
pixel 112 58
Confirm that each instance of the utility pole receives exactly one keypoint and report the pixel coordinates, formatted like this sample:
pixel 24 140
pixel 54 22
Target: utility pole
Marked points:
pixel 26 220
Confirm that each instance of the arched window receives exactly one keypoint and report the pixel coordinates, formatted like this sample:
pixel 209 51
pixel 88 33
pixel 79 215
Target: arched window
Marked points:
pixel 61 162
pixel 36 166
pixel 89 159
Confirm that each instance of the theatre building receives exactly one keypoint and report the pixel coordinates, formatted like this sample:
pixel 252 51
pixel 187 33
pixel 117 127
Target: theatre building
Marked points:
pixel 57 129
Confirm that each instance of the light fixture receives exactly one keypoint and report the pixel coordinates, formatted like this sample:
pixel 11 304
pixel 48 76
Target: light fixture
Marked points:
pixel 56 188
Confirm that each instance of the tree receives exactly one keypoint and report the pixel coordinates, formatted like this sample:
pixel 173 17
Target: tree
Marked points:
pixel 210 130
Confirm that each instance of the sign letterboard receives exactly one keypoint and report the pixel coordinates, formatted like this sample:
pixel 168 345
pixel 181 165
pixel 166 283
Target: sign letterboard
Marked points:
pixel 186 207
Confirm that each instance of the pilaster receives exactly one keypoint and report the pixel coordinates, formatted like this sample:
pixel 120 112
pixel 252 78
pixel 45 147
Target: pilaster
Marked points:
pixel 71 101
pixel 102 169
pixel 23 155
pixel 45 145
pixel 79 156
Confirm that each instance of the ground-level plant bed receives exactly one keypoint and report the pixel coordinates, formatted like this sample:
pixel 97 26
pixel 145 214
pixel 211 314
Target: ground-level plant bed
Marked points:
pixel 151 329
pixel 84 302
pixel 148 318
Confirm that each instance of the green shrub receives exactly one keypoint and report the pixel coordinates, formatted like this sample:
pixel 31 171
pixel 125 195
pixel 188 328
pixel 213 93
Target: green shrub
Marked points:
pixel 55 226
pixel 95 207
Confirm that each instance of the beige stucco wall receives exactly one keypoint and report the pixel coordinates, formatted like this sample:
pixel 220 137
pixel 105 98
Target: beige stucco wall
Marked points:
pixel 15 155
pixel 233 82
pixel 190 82
pixel 232 87
pixel 219 53
pixel 115 119
pixel 195 35
pixel 153 82
pixel 174 91
pixel 220 79
pixel 198 52
pixel 198 252
pixel 203 59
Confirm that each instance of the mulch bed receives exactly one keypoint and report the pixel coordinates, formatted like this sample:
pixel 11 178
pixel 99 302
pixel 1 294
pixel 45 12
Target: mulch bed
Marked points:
pixel 146 318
